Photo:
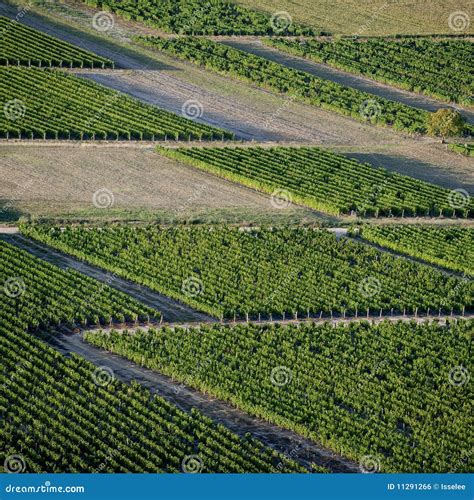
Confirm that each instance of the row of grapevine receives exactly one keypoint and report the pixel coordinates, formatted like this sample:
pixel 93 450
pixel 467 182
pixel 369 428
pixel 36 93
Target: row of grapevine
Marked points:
pixel 197 17
pixel 329 95
pixel 267 272
pixel 464 149
pixel 24 46
pixel 450 247
pixel 47 104
pixel 63 414
pixel 440 68
pixel 326 181
pixel 39 294
pixel 392 392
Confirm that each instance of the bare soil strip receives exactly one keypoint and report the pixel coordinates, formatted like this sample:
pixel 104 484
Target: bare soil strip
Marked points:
pixel 345 78
pixel 171 310
pixel 287 442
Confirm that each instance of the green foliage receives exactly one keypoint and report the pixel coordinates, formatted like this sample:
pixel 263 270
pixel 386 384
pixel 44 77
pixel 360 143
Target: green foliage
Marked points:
pixel 25 46
pixel 464 149
pixel 446 123
pixel 63 414
pixel 300 85
pixel 439 68
pixel 385 391
pixel 37 293
pixel 201 17
pixel 450 247
pixel 49 104
pixel 324 181
pixel 227 271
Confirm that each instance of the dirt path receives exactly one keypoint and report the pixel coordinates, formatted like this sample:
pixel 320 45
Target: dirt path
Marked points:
pixel 251 113
pixel 171 310
pixel 344 78
pixel 186 398
pixel 381 248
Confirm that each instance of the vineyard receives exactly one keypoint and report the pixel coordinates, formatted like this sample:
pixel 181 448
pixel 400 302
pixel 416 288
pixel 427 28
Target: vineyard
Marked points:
pixel 37 294
pixel 47 104
pixel 464 149
pixel 24 46
pixel 274 273
pixel 76 417
pixel 381 391
pixel 325 181
pixel 300 85
pixel 439 68
pixel 63 414
pixel 195 17
pixel 452 247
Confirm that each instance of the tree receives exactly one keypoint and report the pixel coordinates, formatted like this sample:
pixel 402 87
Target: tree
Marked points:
pixel 445 123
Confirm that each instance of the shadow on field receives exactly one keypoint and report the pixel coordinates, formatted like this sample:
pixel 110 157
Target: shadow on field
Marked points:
pixel 8 211
pixel 123 57
pixel 415 168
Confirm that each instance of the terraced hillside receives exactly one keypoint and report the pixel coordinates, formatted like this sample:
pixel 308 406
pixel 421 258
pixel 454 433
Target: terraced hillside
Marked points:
pixel 81 109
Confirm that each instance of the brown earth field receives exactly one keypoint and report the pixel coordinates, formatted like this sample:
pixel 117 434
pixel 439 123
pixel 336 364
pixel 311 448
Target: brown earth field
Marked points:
pixel 252 113
pixel 371 17
pixel 133 183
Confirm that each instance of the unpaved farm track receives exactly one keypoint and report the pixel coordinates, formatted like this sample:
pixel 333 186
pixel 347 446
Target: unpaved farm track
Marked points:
pixel 171 310
pixel 287 442
pixel 344 78
pixel 250 112
pixel 170 92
